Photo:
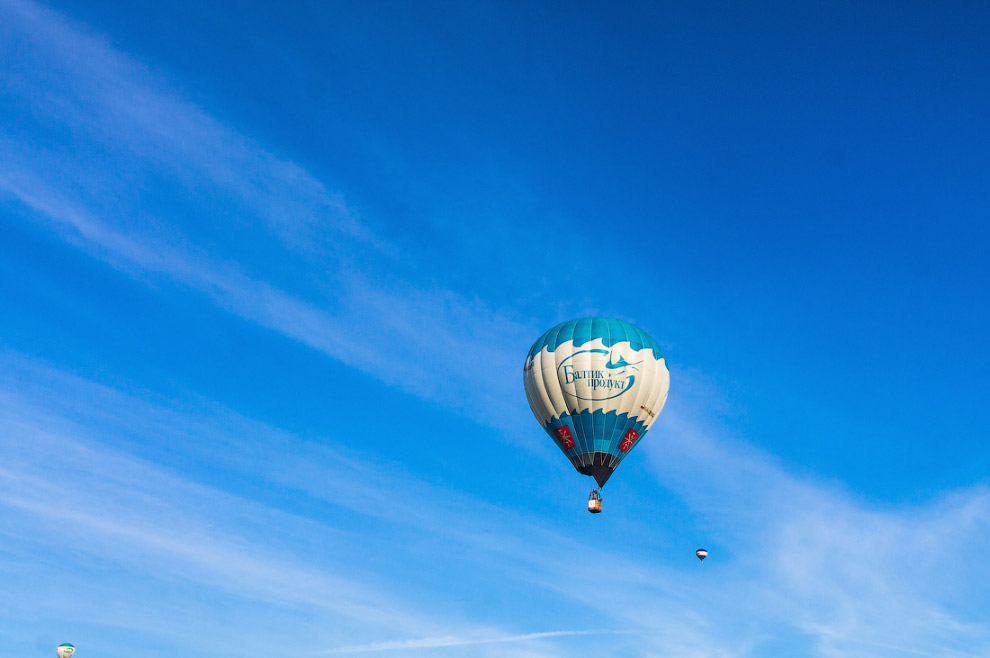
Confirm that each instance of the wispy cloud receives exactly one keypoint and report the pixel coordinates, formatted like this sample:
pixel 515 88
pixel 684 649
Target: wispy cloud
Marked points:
pixel 128 510
pixel 65 493
pixel 374 321
pixel 845 571
pixel 439 642
pixel 113 101
pixel 794 563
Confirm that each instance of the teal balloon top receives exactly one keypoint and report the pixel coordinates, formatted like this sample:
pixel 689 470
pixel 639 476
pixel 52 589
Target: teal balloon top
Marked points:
pixel 584 330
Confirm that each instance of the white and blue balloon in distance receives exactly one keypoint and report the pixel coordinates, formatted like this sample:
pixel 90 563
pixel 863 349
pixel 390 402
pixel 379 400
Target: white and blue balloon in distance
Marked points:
pixel 596 385
pixel 65 650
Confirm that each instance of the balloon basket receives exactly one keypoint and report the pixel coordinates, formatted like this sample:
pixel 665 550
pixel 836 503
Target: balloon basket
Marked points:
pixel 595 502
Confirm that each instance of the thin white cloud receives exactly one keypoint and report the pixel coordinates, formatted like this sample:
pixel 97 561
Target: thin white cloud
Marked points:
pixel 62 493
pixel 450 641
pixel 126 509
pixel 115 101
pixel 843 571
pixel 385 326
pixel 438 330
pixel 792 561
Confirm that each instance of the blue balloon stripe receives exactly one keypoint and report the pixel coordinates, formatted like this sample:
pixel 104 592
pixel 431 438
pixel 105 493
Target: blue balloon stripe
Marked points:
pixel 610 422
pixel 618 333
pixel 586 431
pixel 597 432
pixel 583 331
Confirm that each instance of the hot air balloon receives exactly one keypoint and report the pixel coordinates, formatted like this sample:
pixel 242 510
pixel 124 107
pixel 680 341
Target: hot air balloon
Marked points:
pixel 65 650
pixel 701 553
pixel 596 385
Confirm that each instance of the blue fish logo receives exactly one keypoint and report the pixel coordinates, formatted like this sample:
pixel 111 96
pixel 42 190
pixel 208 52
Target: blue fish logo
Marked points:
pixel 621 363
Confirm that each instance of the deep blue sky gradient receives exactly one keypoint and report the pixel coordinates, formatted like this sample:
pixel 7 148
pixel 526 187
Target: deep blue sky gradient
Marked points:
pixel 811 178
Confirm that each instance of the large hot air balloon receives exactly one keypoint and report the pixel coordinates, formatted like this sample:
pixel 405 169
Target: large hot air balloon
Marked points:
pixel 65 650
pixel 596 385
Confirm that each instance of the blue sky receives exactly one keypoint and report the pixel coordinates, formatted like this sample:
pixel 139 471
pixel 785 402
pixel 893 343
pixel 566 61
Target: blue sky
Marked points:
pixel 268 276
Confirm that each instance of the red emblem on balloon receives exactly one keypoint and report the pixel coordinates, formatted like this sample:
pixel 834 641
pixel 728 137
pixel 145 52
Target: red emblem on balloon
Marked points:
pixel 564 434
pixel 628 440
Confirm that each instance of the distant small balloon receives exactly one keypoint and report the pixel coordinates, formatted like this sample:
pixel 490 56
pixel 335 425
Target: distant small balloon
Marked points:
pixel 701 553
pixel 65 650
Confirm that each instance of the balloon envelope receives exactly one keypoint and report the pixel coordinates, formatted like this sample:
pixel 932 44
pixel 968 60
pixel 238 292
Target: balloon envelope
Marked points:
pixel 596 385
pixel 65 650
pixel 701 553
